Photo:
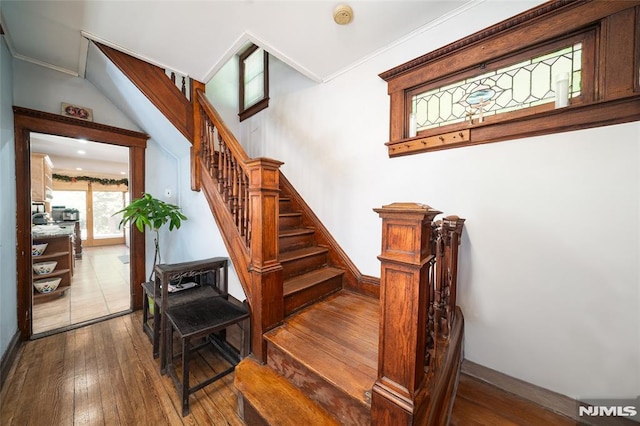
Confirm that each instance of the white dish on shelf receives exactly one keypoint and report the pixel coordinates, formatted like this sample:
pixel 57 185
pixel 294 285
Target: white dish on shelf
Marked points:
pixel 47 286
pixel 42 268
pixel 38 249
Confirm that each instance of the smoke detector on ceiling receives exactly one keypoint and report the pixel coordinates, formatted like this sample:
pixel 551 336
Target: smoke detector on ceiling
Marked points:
pixel 343 14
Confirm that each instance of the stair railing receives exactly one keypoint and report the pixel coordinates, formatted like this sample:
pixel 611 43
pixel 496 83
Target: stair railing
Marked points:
pixel 421 330
pixel 243 193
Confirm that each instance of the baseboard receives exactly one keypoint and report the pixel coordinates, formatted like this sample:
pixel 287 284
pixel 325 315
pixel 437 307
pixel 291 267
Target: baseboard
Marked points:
pixel 9 357
pixel 545 398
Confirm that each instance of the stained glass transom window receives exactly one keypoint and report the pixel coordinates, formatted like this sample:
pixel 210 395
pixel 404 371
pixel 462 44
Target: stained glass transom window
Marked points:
pixel 525 84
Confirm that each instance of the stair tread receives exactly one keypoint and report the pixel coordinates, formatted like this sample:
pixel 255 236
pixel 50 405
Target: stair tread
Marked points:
pixel 295 231
pixel 290 214
pixel 275 398
pixel 303 281
pixel 301 252
pixel 337 339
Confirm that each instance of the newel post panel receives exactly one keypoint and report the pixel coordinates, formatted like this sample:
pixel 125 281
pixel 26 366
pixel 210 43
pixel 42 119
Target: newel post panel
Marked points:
pixel 404 300
pixel 267 307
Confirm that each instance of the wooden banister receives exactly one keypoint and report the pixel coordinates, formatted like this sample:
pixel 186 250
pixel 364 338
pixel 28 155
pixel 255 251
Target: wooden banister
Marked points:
pixel 249 190
pixel 419 351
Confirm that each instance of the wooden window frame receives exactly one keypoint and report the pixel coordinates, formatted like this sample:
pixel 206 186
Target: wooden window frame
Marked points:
pixel 610 93
pixel 262 103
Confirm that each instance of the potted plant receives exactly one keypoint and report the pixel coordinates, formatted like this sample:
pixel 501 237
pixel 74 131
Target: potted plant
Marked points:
pixel 152 213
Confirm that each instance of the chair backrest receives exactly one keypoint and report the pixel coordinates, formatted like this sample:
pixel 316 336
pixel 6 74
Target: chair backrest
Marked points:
pixel 212 272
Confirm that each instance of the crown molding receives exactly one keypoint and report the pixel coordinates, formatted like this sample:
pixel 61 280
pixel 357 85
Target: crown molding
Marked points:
pixel 130 52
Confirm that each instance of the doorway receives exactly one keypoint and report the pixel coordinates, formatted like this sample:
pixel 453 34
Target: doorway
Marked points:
pixel 88 184
pixel 27 121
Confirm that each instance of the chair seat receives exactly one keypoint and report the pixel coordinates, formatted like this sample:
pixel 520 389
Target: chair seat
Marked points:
pixel 204 316
pixel 198 318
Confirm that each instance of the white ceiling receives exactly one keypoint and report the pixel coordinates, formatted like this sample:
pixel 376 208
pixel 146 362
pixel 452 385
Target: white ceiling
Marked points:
pixel 196 38
pixel 94 159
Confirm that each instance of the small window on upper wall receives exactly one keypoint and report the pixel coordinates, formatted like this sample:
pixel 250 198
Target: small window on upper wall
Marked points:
pixel 254 81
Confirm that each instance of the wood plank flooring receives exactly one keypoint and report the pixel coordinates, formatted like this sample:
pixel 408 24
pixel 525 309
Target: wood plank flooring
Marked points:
pixel 104 374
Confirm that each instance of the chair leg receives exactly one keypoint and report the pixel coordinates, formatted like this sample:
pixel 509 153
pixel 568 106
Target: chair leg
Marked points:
pixel 186 348
pixel 165 360
pixel 156 330
pixel 145 310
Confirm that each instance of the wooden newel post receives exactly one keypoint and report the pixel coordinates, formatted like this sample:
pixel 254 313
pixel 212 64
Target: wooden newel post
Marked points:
pixel 267 307
pixel 404 300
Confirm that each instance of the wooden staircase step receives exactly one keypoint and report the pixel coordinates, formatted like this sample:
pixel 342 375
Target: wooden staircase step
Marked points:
pixel 294 238
pixel 269 399
pixel 289 220
pixel 330 351
pixel 304 289
pixel 284 204
pixel 299 261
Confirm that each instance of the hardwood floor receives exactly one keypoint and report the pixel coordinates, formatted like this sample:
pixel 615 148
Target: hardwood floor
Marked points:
pixel 99 287
pixel 104 374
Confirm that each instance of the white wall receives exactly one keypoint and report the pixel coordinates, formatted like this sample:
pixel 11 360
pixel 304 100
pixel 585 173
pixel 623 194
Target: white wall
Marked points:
pixel 44 89
pixel 8 266
pixel 549 259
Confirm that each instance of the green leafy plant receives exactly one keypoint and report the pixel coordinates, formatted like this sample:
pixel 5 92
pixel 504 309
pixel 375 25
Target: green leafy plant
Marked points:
pixel 149 212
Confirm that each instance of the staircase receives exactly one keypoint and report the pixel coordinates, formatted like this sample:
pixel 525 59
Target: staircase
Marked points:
pixel 306 272
pixel 329 345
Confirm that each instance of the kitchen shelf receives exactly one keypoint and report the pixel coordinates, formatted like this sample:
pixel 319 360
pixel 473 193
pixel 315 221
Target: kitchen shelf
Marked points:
pixel 60 249
pixel 44 297
pixel 45 257
pixel 55 273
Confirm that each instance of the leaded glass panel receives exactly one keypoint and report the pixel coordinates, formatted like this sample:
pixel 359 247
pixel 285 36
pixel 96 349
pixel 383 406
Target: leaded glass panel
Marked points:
pixel 522 85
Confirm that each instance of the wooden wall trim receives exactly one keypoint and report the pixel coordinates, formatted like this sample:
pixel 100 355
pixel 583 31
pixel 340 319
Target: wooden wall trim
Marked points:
pixel 60 125
pixel 550 400
pixel 26 121
pixel 549 20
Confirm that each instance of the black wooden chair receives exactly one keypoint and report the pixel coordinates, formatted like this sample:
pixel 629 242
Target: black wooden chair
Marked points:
pixel 206 317
pixel 210 279
pixel 191 300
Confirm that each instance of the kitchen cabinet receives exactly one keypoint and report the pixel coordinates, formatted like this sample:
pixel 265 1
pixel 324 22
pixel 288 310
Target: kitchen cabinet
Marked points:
pixel 41 178
pixel 59 249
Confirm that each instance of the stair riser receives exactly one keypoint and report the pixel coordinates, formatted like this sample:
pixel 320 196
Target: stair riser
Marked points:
pixel 299 266
pixel 293 242
pixel 305 297
pixel 289 222
pixel 285 206
pixel 344 408
pixel 249 413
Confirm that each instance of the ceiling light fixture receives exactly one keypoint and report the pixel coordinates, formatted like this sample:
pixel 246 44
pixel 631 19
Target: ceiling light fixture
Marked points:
pixel 343 14
pixel 79 169
pixel 81 152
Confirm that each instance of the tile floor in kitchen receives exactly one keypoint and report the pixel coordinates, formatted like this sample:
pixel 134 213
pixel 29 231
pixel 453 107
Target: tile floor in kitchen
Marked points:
pixel 99 287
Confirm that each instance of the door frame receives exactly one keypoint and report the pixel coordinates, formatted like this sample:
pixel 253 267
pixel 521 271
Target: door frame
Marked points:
pixel 27 121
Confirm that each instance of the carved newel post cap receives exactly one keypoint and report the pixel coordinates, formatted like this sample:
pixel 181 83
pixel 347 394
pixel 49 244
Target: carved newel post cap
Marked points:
pixel 404 207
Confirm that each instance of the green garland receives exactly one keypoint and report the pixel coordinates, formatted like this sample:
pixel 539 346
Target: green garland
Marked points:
pixel 102 181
